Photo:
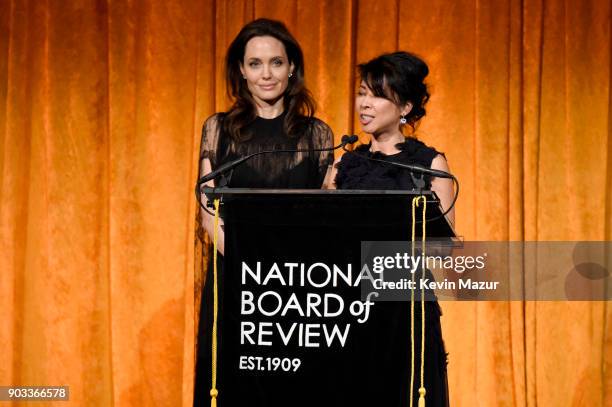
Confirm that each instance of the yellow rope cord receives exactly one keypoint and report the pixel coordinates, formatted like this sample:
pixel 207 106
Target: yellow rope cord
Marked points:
pixel 415 204
pixel 213 390
pixel 422 390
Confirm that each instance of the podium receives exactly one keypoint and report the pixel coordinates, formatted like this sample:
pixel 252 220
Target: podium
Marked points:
pixel 293 328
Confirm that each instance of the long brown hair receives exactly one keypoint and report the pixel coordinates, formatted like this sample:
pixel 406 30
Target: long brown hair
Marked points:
pixel 297 100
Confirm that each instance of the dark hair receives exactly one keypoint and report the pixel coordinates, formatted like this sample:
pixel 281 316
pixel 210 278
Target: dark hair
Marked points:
pixel 297 99
pixel 399 78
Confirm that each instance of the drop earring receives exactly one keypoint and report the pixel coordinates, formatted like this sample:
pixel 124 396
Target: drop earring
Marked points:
pixel 403 120
pixel 290 74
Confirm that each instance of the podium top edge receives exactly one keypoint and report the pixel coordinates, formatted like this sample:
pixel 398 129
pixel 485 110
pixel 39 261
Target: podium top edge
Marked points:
pixel 262 191
pixel 231 194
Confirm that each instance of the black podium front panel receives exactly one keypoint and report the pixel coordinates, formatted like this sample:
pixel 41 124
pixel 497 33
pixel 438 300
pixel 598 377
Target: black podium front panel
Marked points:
pixel 293 330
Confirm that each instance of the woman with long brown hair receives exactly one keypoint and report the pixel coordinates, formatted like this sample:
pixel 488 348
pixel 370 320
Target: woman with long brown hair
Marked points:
pixel 272 110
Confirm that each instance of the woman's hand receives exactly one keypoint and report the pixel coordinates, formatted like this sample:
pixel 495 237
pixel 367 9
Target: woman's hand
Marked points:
pixel 330 177
pixel 208 221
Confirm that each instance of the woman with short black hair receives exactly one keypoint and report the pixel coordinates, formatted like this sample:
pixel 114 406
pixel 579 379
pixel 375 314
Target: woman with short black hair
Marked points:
pixel 391 98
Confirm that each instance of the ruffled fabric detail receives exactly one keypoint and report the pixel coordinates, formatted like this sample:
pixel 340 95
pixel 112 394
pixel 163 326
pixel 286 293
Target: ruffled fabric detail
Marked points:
pixel 357 172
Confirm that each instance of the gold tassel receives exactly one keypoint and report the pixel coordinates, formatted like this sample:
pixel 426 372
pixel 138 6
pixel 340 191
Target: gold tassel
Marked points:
pixel 422 397
pixel 422 391
pixel 213 397
pixel 213 391
pixel 411 391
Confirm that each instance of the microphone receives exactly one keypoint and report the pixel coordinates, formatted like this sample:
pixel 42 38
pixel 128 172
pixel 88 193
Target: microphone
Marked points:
pixel 422 170
pixel 346 139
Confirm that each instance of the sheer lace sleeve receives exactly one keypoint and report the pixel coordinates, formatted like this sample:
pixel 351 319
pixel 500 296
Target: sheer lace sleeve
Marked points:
pixel 209 143
pixel 208 161
pixel 323 137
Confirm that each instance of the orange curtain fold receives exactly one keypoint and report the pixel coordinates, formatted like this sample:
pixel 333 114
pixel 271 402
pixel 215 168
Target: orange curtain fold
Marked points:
pixel 101 107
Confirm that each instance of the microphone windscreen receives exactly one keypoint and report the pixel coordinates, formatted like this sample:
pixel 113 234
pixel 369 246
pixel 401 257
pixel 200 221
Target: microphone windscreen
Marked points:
pixel 349 139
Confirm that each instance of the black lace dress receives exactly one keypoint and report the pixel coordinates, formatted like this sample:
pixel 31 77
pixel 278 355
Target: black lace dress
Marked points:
pixel 302 170
pixel 356 172
pixel 277 170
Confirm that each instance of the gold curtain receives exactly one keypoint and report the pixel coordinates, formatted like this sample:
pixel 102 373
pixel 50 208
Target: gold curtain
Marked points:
pixel 101 104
